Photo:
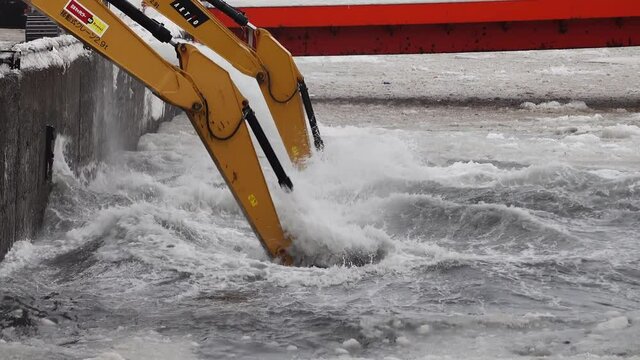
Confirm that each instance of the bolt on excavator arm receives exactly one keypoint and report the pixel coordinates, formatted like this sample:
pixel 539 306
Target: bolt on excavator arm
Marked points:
pixel 216 108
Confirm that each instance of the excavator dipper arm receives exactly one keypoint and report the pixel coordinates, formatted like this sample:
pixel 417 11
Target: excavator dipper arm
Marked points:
pixel 266 60
pixel 217 110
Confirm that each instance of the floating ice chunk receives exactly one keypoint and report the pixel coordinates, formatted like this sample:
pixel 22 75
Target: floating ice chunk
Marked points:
pixel 341 351
pixel 573 119
pixel 620 60
pixel 107 356
pixel 424 329
pixel 582 138
pixel 401 340
pixel 563 71
pixel 246 337
pixel 620 131
pixel 556 70
pixel 617 323
pixel 537 350
pixel 352 345
pixel 555 106
pixel 494 136
pixel 292 348
pixel 566 131
pixel 47 322
pixel 608 174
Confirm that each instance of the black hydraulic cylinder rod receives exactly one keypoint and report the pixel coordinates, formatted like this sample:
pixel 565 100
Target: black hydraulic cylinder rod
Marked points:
pixel 155 28
pixel 238 16
pixel 283 178
pixel 313 123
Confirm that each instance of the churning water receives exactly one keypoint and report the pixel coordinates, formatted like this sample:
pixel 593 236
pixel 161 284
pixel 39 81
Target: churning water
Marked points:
pixel 480 238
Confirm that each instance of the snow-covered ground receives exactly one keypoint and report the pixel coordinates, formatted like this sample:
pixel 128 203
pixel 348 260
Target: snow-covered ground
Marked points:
pixel 47 52
pixel 602 77
pixel 10 37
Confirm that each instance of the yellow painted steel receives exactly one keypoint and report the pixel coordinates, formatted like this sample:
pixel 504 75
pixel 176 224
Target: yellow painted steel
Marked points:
pixel 280 89
pixel 270 64
pixel 207 94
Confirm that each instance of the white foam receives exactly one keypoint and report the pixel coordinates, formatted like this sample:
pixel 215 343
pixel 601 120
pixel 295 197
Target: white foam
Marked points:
pixel 617 323
pixel 22 254
pixel 146 346
pixel 494 136
pixel 60 170
pixel 424 329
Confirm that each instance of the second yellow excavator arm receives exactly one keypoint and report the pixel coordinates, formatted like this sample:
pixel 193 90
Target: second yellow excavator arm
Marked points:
pixel 219 113
pixel 265 59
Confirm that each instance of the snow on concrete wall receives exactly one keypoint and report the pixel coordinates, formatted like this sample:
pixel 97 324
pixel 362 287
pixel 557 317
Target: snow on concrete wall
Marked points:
pixel 97 109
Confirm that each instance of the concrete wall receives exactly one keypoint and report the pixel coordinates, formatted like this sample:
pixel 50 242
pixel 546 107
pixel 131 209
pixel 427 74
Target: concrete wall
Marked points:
pixel 101 110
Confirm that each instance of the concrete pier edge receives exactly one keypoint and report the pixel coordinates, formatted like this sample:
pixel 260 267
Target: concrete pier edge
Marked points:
pixel 98 108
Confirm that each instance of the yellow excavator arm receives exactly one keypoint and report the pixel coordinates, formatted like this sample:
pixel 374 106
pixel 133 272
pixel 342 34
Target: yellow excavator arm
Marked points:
pixel 219 113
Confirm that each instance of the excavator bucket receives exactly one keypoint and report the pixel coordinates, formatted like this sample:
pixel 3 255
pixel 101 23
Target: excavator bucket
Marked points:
pixel 269 63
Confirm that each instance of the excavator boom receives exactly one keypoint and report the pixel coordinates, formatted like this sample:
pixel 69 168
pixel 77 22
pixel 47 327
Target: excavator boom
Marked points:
pixel 217 110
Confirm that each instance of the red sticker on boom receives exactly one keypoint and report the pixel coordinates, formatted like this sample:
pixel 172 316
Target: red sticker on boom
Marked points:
pixel 86 17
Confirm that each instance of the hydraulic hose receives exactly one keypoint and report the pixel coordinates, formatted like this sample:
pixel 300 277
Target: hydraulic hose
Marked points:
pixel 238 16
pixel 313 123
pixel 283 179
pixel 155 28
